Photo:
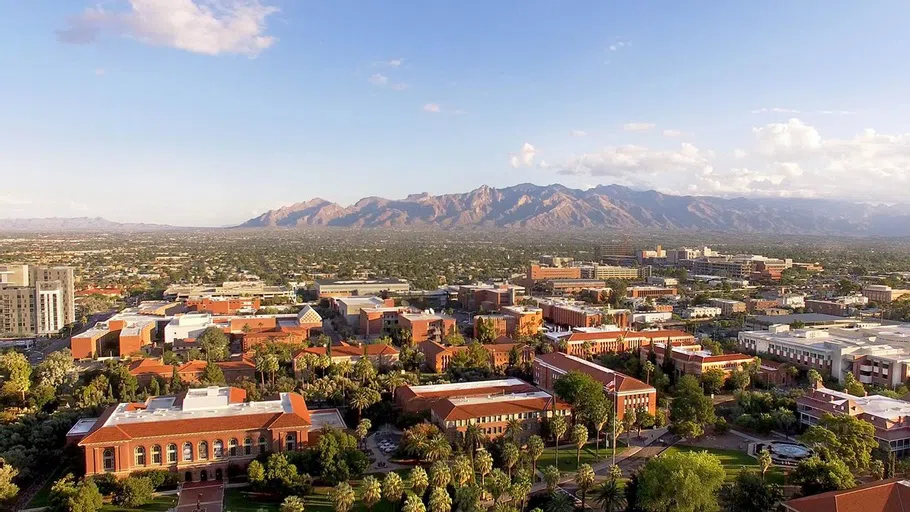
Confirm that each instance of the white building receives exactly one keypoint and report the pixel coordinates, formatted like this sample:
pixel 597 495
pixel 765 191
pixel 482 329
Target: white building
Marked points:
pixel 187 326
pixel 701 312
pixel 349 307
pixel 792 300
pixel 651 317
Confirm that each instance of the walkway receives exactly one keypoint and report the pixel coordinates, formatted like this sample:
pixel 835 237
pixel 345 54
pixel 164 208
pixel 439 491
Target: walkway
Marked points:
pixel 201 497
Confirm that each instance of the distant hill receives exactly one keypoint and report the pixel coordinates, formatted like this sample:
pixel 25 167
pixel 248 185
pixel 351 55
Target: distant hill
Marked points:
pixel 75 224
pixel 607 206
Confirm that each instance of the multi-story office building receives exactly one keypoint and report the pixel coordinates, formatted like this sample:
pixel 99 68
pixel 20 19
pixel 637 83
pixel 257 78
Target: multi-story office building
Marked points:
pixel 604 272
pixel 728 306
pixel 654 292
pixel 528 320
pixel 691 359
pixel 488 297
pixel 539 273
pixel 883 294
pixel 354 287
pixel 228 290
pixel 594 341
pixel 696 312
pixel 627 392
pixel 36 299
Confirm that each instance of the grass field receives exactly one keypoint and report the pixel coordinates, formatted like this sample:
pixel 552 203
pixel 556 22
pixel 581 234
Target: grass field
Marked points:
pixel 41 498
pixel 567 455
pixel 237 500
pixel 158 504
pixel 733 461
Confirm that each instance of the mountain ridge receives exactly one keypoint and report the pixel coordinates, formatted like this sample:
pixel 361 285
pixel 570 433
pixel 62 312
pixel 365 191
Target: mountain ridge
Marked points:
pixel 606 206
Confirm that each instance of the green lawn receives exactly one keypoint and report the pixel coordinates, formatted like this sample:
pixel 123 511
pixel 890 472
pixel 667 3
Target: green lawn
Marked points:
pixel 567 455
pixel 158 504
pixel 41 499
pixel 237 500
pixel 733 461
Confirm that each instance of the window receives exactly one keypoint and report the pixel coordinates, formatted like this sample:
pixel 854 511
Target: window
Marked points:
pixel 108 459
pixel 172 453
pixel 232 448
pixel 187 451
pixel 248 446
pixel 290 442
pixel 261 444
pixel 156 454
pixel 139 456
pixel 218 449
pixel 203 450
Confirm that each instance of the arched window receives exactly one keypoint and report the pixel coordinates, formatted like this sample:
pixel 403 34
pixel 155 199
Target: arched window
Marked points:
pixel 139 456
pixel 203 450
pixel 218 449
pixel 156 454
pixel 290 442
pixel 248 446
pixel 232 448
pixel 108 459
pixel 187 451
pixel 261 444
pixel 172 453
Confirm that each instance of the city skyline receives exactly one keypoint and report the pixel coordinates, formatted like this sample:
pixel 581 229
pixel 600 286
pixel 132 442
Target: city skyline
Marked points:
pixel 124 111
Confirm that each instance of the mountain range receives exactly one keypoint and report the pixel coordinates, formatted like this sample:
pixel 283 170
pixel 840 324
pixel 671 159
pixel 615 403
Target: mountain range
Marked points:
pixel 554 207
pixel 607 207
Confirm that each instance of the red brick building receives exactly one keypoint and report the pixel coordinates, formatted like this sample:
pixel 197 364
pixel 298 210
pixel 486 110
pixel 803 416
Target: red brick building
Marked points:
pixel 578 314
pixel 191 371
pixel 437 356
pixel 892 495
pixel 198 433
pixel 538 273
pixel 378 353
pixel 690 359
pixel 223 306
pixel 584 343
pixel 628 393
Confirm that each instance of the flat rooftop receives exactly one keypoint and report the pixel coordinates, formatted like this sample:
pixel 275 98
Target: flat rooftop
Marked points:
pixel 435 388
pixel 82 426
pixel 508 397
pixel 874 405
pixel 198 403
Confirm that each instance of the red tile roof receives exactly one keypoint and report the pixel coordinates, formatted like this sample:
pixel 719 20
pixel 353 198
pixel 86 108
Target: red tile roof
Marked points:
pixel 883 496
pixel 619 382
pixel 448 410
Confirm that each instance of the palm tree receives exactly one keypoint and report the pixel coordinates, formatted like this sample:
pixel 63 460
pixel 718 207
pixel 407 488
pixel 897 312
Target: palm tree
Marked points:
pixel 514 430
pixel 440 501
pixel 535 450
pixel 579 438
pixel 440 474
pixel 462 470
pixel 551 476
pixel 363 398
pixel 519 491
pixel 418 480
pixel 648 368
pixel 484 464
pixel 600 415
pixel 628 421
pixel 468 498
pixel 292 504
pixel 392 489
pixel 764 463
pixel 372 492
pixel 584 479
pixel 497 484
pixel 560 502
pixel 615 472
pixel 558 427
pixel 510 456
pixel 260 361
pixel 342 497
pixel 610 496
pixel 438 448
pixel 362 430
pixel 272 365
pixel 413 504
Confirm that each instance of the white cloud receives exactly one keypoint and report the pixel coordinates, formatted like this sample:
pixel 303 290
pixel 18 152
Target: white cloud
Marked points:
pixel 673 133
pixel 432 107
pixel 13 200
pixel 379 79
pixel 578 133
pixel 209 27
pixel 100 72
pixel 638 127
pixel 617 45
pixel 775 110
pixel 525 156
pixel 790 159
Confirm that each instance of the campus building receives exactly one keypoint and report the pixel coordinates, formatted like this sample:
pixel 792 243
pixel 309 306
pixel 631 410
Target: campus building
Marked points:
pixel 892 495
pixel 883 294
pixel 36 299
pixel 889 416
pixel 488 297
pixel 437 357
pixel 356 287
pixel 691 359
pixel 190 372
pixel 378 353
pixel 223 306
pixel 654 292
pixel 488 404
pixel 228 290
pixel 350 307
pixel 569 313
pixel 728 307
pixel 584 342
pixel 198 433
pixel 626 392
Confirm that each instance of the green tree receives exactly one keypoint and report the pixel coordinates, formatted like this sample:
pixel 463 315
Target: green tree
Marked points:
pixel 739 379
pixel 584 479
pixel 17 373
pixel 628 422
pixel 559 502
pixel 371 492
pixel 497 484
pixel 690 403
pixel 438 448
pixel 363 370
pixel 813 376
pixel 877 469
pixel 363 398
pixel 579 439
pixel 749 493
pixel 681 481
pixel 212 375
pixel 609 495
pixel 134 492
pixel 255 473
pixel 8 489
pixel 362 430
pixel 648 367
pixel 440 501
pixel 462 470
pixel 56 369
pixel 440 474
pixel 558 427
pixel 845 437
pixel 814 475
pixel 279 472
pixel 713 380
pixel 468 498
pixel 484 465
pixel 292 504
pixel 413 503
pixel 68 496
pixel 486 332
pixel 551 476
pixel 392 489
pixel 214 344
pixel 535 450
pixel 853 386
pixel 342 497
pixel 510 455
pixel 764 463
pixel 580 390
pixel 418 480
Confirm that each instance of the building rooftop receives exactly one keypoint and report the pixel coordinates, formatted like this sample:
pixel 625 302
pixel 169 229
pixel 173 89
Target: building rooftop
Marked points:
pixel 612 380
pixel 330 282
pixel 891 495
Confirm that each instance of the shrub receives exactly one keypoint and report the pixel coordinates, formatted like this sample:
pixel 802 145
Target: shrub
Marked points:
pixel 160 478
pixel 134 492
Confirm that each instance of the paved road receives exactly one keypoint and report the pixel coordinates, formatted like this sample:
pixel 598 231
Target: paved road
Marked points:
pixel 45 346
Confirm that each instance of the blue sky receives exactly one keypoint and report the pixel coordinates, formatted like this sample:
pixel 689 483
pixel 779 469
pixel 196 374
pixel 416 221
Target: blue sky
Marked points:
pixel 196 112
